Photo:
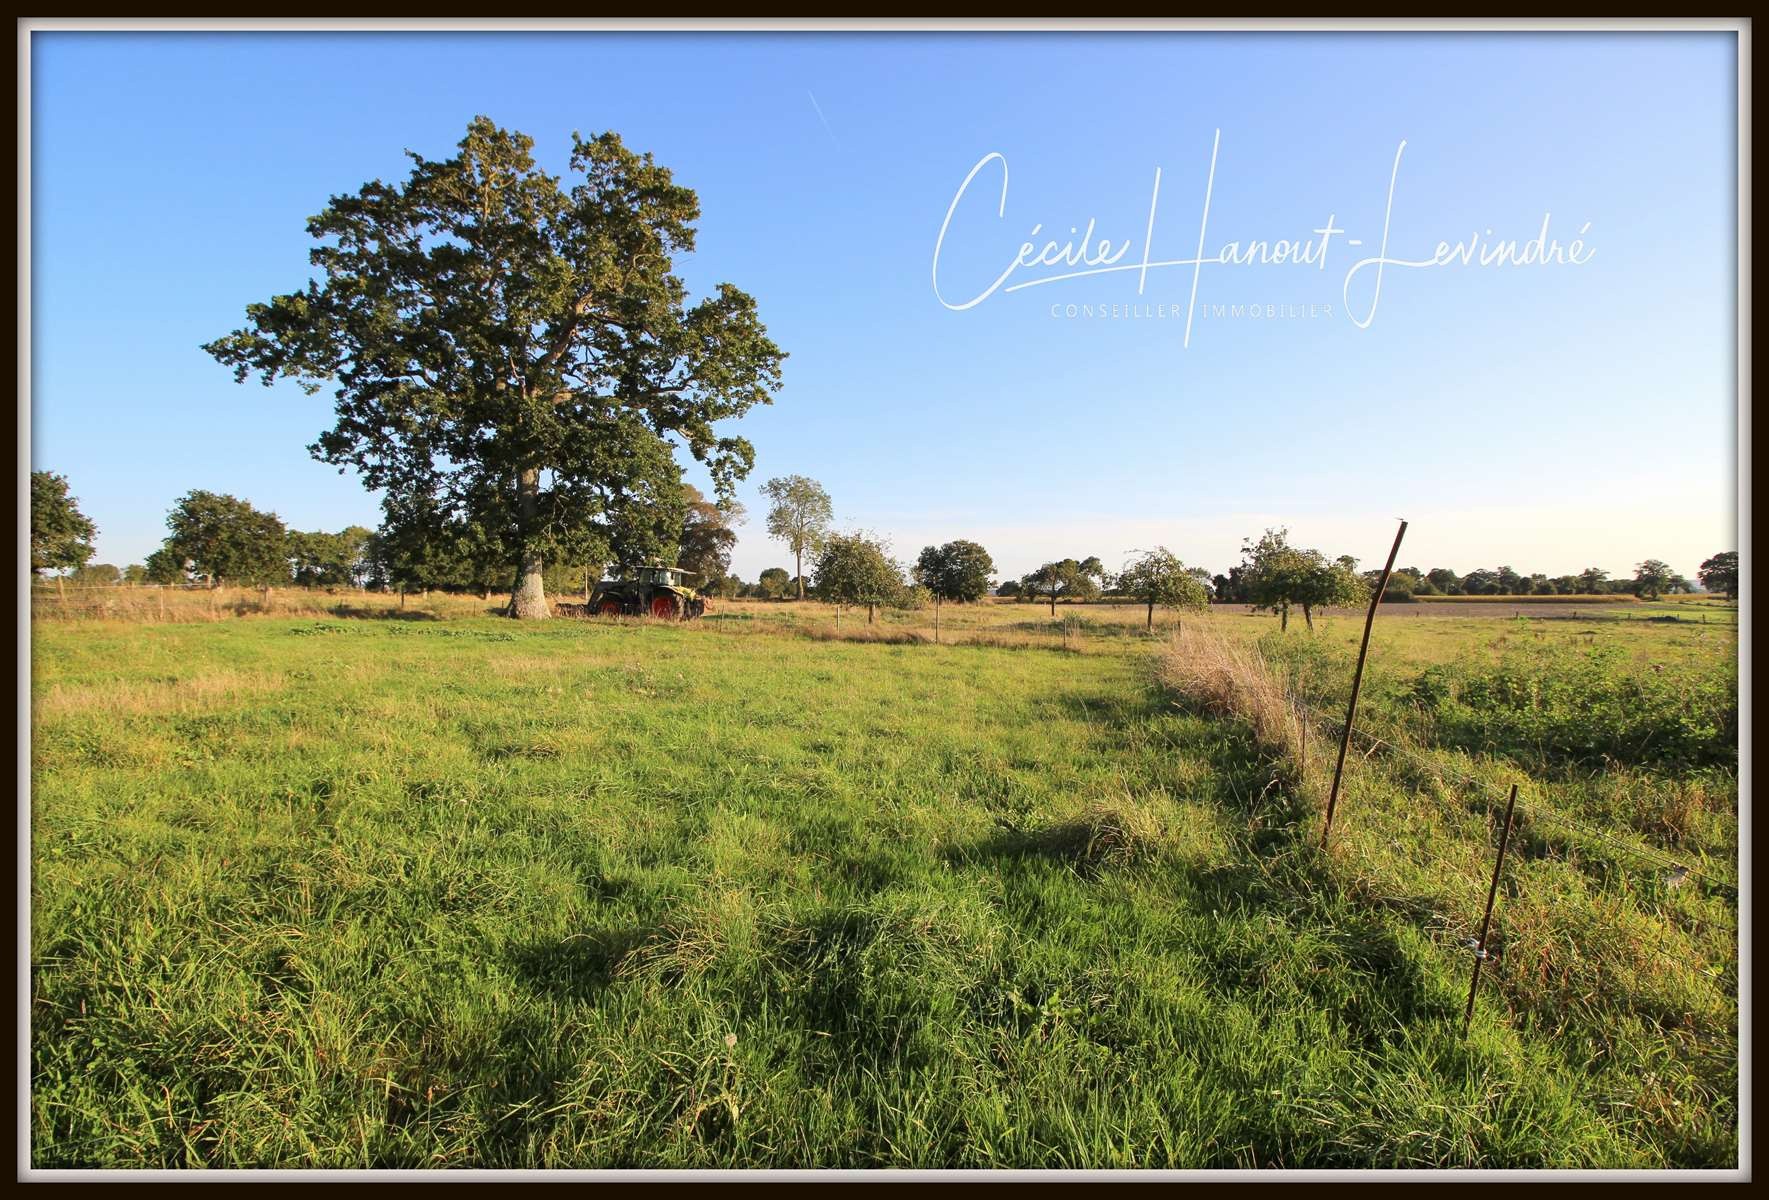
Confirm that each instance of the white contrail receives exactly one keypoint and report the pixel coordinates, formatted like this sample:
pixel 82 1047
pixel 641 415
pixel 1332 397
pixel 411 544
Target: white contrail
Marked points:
pixel 823 118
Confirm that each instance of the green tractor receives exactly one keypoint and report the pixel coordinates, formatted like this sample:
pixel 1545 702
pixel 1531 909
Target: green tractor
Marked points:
pixel 652 591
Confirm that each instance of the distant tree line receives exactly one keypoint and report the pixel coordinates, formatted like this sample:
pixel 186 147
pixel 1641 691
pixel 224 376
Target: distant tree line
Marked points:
pixel 1277 577
pixel 220 540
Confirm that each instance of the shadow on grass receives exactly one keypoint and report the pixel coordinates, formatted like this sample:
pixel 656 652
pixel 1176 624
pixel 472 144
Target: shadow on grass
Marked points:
pixel 356 613
pixel 1273 894
pixel 1089 846
pixel 578 967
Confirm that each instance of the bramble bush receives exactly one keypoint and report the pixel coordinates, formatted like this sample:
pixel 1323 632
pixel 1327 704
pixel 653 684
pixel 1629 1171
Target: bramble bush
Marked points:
pixel 1569 706
pixel 1549 706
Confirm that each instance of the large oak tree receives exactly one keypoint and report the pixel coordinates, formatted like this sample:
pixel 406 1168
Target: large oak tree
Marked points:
pixel 515 355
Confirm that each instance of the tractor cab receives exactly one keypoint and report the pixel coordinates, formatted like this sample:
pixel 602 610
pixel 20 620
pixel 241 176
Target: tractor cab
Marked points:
pixel 663 576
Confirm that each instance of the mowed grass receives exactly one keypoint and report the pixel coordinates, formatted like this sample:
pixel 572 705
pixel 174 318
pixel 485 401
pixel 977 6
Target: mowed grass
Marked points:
pixel 332 892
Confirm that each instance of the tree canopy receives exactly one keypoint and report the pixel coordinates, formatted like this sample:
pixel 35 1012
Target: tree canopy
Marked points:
pixel 61 535
pixel 225 540
pixel 321 559
pixel 1280 576
pixel 856 568
pixel 773 582
pixel 1720 573
pixel 1651 578
pixel 957 571
pixel 799 513
pixel 1066 579
pixel 1159 579
pixel 708 535
pixel 516 356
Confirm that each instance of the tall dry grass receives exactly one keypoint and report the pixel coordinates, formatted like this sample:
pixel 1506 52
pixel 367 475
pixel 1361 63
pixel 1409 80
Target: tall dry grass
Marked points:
pixel 177 605
pixel 1233 679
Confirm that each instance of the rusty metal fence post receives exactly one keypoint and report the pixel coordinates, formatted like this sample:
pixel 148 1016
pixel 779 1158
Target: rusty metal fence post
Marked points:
pixel 1486 922
pixel 1357 682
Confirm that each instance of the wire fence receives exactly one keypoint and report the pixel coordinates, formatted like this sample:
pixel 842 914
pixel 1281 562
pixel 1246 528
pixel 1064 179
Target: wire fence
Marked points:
pixel 1431 763
pixel 1435 765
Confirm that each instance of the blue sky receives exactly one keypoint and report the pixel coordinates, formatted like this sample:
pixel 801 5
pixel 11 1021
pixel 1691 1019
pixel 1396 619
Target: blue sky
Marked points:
pixel 1543 417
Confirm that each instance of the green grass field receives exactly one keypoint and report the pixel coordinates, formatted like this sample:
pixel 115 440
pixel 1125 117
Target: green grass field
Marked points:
pixel 311 890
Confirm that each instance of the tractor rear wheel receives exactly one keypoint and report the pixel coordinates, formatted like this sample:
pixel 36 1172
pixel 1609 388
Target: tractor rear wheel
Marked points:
pixel 609 607
pixel 666 607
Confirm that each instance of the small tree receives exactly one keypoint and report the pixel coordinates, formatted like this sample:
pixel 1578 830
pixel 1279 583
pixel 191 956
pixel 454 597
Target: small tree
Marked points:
pixel 1231 588
pixel 773 582
pixel 1329 585
pixel 1650 578
pixel 1276 573
pixel 166 566
pixel 1279 576
pixel 857 569
pixel 1720 574
pixel 958 571
pixel 1044 584
pixel 328 559
pixel 61 535
pixel 1591 581
pixel 1401 586
pixel 1159 578
pixel 1069 579
pixel 228 540
pixel 97 574
pixel 1088 583
pixel 799 514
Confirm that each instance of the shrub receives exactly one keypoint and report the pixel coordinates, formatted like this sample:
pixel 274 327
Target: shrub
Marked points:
pixel 1584 707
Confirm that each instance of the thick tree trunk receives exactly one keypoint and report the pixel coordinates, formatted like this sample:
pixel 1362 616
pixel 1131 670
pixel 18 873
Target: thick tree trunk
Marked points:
pixel 1053 602
pixel 1151 624
pixel 870 609
pixel 798 562
pixel 1308 617
pixel 530 601
pixel 1284 619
